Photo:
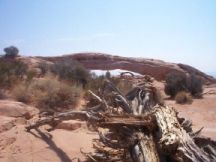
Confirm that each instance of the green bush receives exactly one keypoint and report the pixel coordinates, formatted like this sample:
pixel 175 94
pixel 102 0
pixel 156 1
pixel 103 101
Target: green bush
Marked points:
pixel 176 82
pixel 11 71
pixel 195 86
pixel 183 98
pixel 11 52
pixel 71 70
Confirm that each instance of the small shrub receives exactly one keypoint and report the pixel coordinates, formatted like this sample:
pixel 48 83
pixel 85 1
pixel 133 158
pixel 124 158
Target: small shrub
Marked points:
pixel 30 75
pixel 176 82
pixel 195 86
pixel 95 82
pixel 183 98
pixel 53 94
pixel 11 52
pixel 11 71
pixel 44 67
pixel 21 93
pixel 48 94
pixel 108 75
pixel 71 70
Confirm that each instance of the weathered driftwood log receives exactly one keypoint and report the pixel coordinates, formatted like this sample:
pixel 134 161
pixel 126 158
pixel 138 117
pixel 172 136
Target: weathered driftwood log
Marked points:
pixel 101 120
pixel 143 148
pixel 155 135
pixel 174 140
pixel 56 119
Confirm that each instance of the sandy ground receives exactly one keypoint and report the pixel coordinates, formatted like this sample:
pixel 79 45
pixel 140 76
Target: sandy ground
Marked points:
pixel 16 145
pixel 202 112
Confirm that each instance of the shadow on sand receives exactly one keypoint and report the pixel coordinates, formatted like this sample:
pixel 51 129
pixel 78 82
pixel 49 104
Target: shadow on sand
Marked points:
pixel 48 139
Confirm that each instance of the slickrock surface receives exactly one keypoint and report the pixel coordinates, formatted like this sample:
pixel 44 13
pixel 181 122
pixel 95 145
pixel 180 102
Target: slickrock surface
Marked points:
pixel 16 109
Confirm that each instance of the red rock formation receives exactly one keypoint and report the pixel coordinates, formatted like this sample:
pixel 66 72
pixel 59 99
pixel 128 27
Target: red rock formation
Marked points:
pixel 156 68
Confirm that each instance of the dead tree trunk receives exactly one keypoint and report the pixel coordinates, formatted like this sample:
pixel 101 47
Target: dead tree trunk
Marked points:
pixel 144 148
pixel 156 135
pixel 174 140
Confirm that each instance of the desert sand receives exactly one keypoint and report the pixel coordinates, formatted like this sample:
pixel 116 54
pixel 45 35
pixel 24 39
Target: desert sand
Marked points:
pixel 17 145
pixel 202 112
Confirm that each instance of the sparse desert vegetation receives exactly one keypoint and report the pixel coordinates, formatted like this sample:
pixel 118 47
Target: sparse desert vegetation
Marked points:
pixel 58 86
pixel 12 71
pixel 72 71
pixel 44 68
pixel 61 86
pixel 107 81
pixel 183 97
pixel 183 87
pixel 11 52
pixel 48 93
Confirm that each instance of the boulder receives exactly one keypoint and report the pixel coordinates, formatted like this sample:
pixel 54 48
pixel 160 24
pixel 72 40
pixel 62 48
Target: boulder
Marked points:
pixel 17 109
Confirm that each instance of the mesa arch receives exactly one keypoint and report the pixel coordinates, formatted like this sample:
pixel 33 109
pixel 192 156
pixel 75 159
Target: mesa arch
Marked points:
pixel 155 68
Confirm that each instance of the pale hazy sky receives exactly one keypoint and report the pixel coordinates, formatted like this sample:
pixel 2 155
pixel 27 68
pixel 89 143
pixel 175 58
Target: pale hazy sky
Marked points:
pixel 172 30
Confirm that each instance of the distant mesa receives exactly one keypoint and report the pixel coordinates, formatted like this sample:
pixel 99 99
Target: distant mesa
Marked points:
pixel 155 68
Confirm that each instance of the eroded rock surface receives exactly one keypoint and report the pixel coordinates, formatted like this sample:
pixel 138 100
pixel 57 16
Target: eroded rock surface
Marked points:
pixel 155 68
pixel 16 109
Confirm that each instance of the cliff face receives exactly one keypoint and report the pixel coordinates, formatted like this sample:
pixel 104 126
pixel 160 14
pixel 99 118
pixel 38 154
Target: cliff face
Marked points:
pixel 155 68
